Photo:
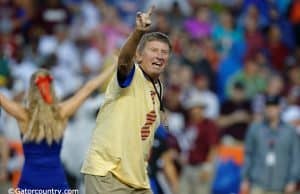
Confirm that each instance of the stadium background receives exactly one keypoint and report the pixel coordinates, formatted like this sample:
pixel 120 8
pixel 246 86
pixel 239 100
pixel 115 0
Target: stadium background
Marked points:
pixel 218 46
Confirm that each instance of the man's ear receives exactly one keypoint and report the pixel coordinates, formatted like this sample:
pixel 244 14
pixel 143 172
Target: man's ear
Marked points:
pixel 138 57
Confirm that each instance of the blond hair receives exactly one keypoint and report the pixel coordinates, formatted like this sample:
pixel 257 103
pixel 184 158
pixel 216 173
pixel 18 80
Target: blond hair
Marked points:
pixel 44 120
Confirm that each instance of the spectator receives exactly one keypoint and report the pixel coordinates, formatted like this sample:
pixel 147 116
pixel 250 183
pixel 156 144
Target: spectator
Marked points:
pixel 210 53
pixel 183 78
pixel 176 16
pixel 162 170
pixel 127 9
pixel 50 14
pixel 293 86
pixel 21 69
pixel 271 154
pixel 175 112
pixel 193 56
pixel 92 60
pixel 11 16
pixel 8 45
pixel 89 17
pixel 4 69
pixel 253 36
pixel 113 29
pixel 235 114
pixel 250 76
pixel 229 66
pixel 291 115
pixel 283 6
pixel 200 26
pixel 256 10
pixel 165 5
pixel 225 34
pixel 202 87
pixel 288 36
pixel 198 143
pixel 277 50
pixel 162 23
pixel 274 88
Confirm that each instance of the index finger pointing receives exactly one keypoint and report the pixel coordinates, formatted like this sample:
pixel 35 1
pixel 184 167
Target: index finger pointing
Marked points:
pixel 150 11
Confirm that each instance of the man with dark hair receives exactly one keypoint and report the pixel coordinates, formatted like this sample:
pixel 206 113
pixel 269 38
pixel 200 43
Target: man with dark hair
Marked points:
pixel 117 158
pixel 235 114
pixel 271 154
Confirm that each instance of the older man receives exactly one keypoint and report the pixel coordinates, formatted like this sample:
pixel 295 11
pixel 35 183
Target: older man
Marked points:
pixel 117 158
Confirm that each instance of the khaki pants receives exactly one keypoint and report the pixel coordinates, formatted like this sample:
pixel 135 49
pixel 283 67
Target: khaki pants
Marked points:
pixel 191 183
pixel 4 186
pixel 257 190
pixel 109 184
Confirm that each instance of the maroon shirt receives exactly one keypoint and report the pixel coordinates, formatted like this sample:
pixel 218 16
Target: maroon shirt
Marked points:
pixel 254 42
pixel 206 137
pixel 278 54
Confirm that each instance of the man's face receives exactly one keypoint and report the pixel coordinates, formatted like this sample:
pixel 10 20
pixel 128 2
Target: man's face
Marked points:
pixel 238 95
pixel 154 58
pixel 272 112
pixel 196 114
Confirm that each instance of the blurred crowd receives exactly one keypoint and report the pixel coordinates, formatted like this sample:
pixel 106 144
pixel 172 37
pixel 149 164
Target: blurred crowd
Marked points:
pixel 231 60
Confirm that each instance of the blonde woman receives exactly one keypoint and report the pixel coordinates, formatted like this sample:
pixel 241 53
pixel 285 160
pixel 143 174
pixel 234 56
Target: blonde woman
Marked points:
pixel 42 122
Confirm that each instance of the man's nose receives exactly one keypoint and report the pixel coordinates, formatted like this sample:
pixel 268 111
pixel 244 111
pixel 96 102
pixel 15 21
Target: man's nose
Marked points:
pixel 159 56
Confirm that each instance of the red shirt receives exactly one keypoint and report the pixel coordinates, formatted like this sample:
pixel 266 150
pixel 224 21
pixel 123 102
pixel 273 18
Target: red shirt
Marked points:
pixel 206 137
pixel 278 54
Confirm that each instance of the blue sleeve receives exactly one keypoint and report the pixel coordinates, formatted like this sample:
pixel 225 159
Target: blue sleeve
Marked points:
pixel 125 81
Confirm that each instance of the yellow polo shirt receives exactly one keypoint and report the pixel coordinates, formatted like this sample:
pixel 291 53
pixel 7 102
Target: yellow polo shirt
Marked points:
pixel 124 131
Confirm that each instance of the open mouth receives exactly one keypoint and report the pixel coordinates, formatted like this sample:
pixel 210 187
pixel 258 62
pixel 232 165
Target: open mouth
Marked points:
pixel 157 64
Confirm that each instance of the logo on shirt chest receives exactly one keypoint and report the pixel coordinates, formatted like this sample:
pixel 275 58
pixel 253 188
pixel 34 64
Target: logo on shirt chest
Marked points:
pixel 150 120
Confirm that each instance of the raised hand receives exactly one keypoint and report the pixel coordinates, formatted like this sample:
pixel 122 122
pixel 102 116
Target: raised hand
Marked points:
pixel 143 20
